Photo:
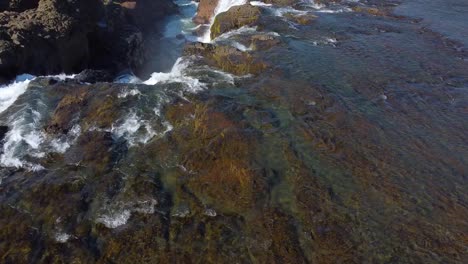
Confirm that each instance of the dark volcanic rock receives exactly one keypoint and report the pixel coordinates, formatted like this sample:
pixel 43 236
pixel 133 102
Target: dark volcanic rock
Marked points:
pixel 3 131
pixel 92 76
pixel 40 40
pixel 69 36
pixel 18 5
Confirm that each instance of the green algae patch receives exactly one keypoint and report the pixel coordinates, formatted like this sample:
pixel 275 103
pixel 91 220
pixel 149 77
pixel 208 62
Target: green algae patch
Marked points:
pixel 217 152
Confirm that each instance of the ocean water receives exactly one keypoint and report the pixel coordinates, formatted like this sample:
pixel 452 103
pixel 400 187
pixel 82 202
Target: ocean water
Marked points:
pixel 349 147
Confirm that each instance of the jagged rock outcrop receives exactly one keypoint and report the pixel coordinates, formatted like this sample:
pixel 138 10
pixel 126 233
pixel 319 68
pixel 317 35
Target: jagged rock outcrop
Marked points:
pixel 18 5
pixel 53 36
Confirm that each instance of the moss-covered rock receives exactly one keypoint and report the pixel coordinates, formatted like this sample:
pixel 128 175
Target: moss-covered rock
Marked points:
pixel 236 17
pixel 227 58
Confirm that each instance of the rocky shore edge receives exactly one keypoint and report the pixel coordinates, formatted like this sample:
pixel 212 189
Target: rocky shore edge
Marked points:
pixel 53 36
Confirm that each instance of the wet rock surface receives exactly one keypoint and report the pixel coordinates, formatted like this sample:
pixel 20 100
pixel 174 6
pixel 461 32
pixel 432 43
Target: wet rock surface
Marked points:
pixel 236 17
pixel 226 58
pixel 37 36
pixel 205 11
pixel 341 140
pixel 18 5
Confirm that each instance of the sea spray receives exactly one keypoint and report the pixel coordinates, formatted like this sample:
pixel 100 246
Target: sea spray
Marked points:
pixel 9 93
pixel 177 74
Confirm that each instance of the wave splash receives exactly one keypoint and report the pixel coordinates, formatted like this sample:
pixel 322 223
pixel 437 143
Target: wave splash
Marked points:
pixel 223 6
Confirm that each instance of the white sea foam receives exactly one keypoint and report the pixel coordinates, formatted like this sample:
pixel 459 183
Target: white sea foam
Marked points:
pixel 240 46
pixel 258 3
pixel 138 131
pixel 118 214
pixel 240 31
pixel 321 8
pixel 62 237
pixel 331 11
pixel 177 74
pixel 62 76
pixel 130 126
pixel 314 5
pixel 326 41
pixel 9 93
pixel 210 212
pixel 128 92
pixel 22 139
pixel 115 218
pixel 26 138
pixel 288 10
pixel 61 144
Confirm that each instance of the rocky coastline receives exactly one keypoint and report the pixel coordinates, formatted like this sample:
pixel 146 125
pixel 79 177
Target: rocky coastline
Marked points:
pixel 303 132
pixel 44 37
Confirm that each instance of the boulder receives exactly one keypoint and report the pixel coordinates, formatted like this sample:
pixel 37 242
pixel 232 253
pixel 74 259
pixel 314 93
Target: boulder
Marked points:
pixel 93 76
pixel 205 11
pixel 234 18
pixel 227 58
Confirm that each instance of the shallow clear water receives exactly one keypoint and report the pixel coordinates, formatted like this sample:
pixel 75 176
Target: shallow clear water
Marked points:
pixel 435 14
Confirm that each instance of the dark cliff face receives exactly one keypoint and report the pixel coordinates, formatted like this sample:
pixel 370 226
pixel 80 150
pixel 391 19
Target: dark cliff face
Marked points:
pixel 18 5
pixel 51 36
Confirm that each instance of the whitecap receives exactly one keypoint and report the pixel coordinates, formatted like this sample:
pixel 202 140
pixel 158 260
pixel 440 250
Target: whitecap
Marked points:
pixel 9 93
pixel 134 130
pixel 240 31
pixel 128 92
pixel 62 76
pixel 210 212
pixel 61 237
pixel 26 138
pixel 119 213
pixel 177 74
pixel 115 219
pixel 258 3
pixel 240 46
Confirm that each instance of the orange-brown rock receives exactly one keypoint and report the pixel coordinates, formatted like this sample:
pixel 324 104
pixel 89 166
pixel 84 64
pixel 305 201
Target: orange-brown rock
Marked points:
pixel 205 11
